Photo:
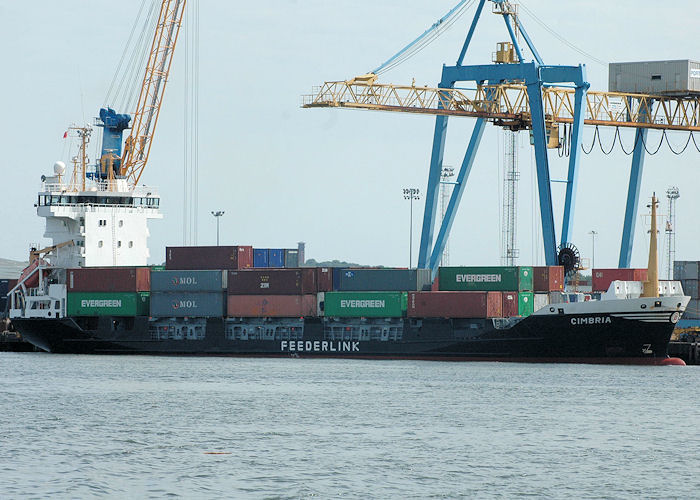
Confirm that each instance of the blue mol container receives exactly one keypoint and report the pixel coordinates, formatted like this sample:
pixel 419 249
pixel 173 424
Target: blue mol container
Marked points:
pixel 191 304
pixel 188 281
pixel 260 257
pixel 275 257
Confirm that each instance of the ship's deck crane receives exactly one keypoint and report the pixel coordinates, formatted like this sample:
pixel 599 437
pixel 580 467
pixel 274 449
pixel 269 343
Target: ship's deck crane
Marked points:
pixel 517 95
pixel 138 145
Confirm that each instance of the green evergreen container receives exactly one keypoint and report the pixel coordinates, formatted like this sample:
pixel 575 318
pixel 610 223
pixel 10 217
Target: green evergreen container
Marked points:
pixel 526 303
pixel 485 278
pixel 365 304
pixel 108 304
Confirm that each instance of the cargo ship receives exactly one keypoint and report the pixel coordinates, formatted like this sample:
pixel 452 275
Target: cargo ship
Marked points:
pixel 467 313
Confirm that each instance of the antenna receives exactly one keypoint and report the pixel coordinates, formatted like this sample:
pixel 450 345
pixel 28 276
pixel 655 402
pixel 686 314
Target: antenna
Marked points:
pixel 672 194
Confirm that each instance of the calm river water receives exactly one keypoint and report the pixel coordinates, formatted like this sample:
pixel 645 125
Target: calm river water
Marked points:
pixel 140 426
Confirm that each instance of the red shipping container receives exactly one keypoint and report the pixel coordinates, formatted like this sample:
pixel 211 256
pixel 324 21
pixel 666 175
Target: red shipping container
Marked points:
pixel 211 257
pixel 510 304
pixel 447 305
pixel 289 306
pixel 11 284
pixel 436 284
pixel 548 278
pixel 109 279
pixel 324 279
pixel 309 283
pixel 245 257
pixel 603 277
pixel 494 304
pixel 265 282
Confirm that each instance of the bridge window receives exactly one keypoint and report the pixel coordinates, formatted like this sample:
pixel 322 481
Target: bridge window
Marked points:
pixel 656 77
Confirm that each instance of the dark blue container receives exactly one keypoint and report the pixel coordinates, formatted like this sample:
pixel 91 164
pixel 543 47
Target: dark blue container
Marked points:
pixel 190 304
pixel 336 277
pixel 381 280
pixel 4 287
pixel 275 257
pixel 188 281
pixel 291 258
pixel 260 257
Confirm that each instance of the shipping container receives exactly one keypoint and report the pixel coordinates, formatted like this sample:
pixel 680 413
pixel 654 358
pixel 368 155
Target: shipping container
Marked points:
pixel 526 303
pixel 385 280
pixel 275 257
pixel 289 306
pixel 266 282
pixel 690 288
pixel 541 300
pixel 324 279
pixel 291 258
pixel 4 287
pixel 692 310
pixel 557 297
pixel 510 304
pixel 603 277
pixel 685 270
pixel 190 304
pixel 548 278
pixel 448 305
pixel 107 304
pixel 365 304
pixel 484 278
pixel 109 279
pixel 260 257
pixel 674 77
pixel 188 280
pixel 494 304
pixel 210 257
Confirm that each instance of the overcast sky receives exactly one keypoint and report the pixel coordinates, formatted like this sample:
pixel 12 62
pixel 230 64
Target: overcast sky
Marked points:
pixel 332 178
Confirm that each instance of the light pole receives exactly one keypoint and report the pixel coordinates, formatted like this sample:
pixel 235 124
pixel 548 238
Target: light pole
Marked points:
pixel 593 234
pixel 410 194
pixel 218 215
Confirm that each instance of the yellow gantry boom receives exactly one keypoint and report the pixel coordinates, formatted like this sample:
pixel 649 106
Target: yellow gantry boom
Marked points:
pixel 138 145
pixel 508 105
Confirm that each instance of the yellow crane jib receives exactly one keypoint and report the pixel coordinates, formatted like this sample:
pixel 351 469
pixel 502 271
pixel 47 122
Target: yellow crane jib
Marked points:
pixel 138 145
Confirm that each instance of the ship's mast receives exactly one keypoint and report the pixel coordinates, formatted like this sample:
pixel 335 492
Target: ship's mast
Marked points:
pixel 651 285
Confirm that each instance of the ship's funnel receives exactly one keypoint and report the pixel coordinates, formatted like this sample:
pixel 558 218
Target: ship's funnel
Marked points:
pixel 651 286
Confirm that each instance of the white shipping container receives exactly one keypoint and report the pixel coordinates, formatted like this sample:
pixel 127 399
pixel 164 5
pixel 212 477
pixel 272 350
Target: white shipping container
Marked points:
pixel 541 300
pixel 678 77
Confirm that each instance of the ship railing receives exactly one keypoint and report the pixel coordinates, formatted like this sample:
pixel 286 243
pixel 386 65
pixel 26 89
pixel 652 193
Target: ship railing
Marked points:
pixel 99 187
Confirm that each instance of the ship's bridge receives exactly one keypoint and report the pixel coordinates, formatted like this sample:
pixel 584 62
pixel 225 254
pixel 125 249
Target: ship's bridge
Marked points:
pixel 106 220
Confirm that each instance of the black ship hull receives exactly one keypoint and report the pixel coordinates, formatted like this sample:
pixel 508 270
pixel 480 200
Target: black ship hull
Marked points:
pixel 597 338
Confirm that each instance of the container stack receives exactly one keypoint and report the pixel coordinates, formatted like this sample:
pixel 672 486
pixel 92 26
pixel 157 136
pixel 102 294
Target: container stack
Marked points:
pixel 688 273
pixel 275 292
pixel 108 291
pixel 520 290
pixel 188 293
pixel 603 277
pixel 4 288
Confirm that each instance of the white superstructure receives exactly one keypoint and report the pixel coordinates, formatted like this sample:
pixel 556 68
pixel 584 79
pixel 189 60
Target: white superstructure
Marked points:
pixel 106 220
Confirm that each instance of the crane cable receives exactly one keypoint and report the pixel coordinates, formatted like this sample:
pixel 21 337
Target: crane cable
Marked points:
pixel 564 148
pixel 426 38
pixel 127 76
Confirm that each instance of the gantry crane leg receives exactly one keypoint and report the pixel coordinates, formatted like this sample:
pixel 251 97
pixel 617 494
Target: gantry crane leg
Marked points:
pixel 431 195
pixel 574 160
pixel 456 196
pixel 635 185
pixel 534 92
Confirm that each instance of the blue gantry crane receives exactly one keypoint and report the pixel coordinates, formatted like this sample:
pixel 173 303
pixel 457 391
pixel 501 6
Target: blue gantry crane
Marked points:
pixel 517 94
